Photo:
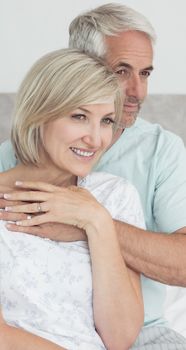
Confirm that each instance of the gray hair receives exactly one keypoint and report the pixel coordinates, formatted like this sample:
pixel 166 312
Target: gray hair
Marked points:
pixel 57 84
pixel 87 31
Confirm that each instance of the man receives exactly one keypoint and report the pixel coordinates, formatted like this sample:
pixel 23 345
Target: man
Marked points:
pixel 153 159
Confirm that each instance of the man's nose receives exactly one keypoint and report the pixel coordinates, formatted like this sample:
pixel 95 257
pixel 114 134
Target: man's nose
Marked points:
pixel 134 87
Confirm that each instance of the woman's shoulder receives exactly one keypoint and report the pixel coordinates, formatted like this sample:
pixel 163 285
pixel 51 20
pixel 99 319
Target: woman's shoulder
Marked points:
pixel 109 189
pixel 106 182
pixel 116 194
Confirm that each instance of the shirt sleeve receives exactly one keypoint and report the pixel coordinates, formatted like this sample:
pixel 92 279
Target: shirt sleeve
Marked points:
pixel 7 156
pixel 169 205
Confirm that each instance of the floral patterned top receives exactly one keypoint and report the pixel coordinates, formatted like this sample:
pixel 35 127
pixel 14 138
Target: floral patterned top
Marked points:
pixel 46 286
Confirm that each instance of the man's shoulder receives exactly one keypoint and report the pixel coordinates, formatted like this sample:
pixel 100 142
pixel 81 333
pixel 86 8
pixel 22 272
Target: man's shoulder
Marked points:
pixel 144 126
pixel 7 156
pixel 142 142
pixel 153 133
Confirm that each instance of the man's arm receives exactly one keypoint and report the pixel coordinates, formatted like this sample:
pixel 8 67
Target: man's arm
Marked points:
pixel 161 255
pixel 157 255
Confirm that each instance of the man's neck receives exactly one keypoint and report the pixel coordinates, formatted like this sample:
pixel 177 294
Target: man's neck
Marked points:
pixel 116 136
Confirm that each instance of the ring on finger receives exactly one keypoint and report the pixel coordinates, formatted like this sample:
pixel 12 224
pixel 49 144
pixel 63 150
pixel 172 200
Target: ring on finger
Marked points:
pixel 39 209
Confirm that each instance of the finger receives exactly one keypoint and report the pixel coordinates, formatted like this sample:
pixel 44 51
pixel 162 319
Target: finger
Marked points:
pixel 28 208
pixel 4 203
pixel 41 186
pixel 12 216
pixel 35 220
pixel 30 196
pixel 33 230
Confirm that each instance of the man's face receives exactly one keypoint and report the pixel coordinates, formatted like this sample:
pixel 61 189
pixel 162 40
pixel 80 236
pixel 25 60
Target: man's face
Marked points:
pixel 130 55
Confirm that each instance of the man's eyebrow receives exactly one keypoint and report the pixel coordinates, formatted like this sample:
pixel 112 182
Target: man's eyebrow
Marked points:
pixel 148 68
pixel 127 65
pixel 123 64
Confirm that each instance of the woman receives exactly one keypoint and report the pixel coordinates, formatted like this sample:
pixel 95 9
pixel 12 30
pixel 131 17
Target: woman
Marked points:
pixel 76 295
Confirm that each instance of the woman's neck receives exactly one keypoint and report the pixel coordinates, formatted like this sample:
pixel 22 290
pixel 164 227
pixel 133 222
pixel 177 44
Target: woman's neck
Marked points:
pixel 32 173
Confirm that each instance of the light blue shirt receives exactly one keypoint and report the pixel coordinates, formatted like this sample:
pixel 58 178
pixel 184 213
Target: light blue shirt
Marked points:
pixel 154 161
pixel 7 157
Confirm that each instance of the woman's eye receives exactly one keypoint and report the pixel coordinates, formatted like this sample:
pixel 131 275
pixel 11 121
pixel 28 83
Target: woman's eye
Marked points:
pixel 108 121
pixel 78 116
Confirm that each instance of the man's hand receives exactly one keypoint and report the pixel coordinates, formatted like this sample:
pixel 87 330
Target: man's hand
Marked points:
pixel 53 231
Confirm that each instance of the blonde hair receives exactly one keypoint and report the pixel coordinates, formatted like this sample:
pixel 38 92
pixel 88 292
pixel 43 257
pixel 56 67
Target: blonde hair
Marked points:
pixel 58 83
pixel 88 30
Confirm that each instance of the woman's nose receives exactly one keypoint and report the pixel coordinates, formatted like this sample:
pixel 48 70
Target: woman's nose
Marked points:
pixel 93 137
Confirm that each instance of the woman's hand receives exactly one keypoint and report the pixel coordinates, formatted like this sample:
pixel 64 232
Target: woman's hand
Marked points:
pixel 48 203
pixel 8 216
pixel 51 230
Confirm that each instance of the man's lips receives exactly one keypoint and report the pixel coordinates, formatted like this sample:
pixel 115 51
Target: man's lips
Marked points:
pixel 131 107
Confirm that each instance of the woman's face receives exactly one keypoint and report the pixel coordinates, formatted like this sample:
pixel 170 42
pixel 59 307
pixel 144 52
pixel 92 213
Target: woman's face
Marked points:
pixel 74 143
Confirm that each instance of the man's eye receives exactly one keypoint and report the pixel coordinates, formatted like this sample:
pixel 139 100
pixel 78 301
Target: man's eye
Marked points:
pixel 108 121
pixel 123 72
pixel 145 73
pixel 79 116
